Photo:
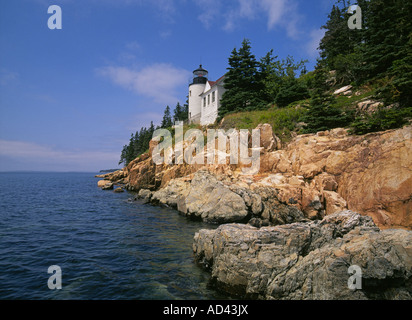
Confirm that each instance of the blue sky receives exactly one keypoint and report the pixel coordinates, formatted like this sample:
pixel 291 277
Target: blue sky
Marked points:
pixel 70 98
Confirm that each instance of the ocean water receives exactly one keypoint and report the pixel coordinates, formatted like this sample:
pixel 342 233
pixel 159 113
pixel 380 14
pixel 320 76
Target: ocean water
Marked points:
pixel 108 247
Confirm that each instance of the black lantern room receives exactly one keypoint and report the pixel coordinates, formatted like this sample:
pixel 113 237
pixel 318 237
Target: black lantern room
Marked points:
pixel 200 75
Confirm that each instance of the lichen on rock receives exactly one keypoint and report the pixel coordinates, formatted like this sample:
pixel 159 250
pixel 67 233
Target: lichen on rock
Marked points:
pixel 308 260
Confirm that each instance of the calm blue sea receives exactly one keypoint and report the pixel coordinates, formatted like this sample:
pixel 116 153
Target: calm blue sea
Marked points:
pixel 108 247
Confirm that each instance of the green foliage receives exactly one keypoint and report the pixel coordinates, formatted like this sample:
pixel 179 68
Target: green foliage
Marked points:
pixel 380 53
pixel 282 120
pixel 253 85
pixel 347 66
pixel 167 119
pixel 138 144
pixel 180 113
pixel 139 141
pixel 383 119
pixel 339 40
pixel 281 82
pixel 291 90
pixel 322 114
pixel 242 83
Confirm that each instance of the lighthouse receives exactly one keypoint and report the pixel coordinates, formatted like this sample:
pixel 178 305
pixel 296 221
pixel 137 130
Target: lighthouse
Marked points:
pixel 204 97
pixel 196 88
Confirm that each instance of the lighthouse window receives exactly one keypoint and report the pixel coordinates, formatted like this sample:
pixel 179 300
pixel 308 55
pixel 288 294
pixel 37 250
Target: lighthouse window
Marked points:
pixel 190 93
pixel 213 96
pixel 208 99
pixel 204 102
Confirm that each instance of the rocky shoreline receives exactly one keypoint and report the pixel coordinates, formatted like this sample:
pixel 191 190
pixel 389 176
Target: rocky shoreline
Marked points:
pixel 319 205
pixel 309 260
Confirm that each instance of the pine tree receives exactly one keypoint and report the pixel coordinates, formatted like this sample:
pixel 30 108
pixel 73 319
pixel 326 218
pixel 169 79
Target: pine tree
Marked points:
pixel 386 36
pixel 123 156
pixel 151 130
pixel 180 113
pixel 136 144
pixel 130 156
pixel 167 119
pixel 336 39
pixel 322 115
pixel 242 83
pixel 269 76
pixel 185 110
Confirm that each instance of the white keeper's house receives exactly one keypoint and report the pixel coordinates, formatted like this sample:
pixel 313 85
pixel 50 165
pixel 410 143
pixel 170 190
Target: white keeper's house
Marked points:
pixel 204 97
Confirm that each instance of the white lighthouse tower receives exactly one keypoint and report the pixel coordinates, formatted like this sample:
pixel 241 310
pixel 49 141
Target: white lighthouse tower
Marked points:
pixel 196 88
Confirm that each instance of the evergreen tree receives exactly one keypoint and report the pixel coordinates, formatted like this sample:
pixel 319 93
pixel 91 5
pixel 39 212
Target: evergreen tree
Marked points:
pixel 185 110
pixel 136 144
pixel 242 83
pixel 280 80
pixel 123 155
pixel 340 47
pixel 130 155
pixel 151 130
pixel 322 115
pixel 167 119
pixel 269 76
pixel 180 113
pixel 386 36
pixel 291 90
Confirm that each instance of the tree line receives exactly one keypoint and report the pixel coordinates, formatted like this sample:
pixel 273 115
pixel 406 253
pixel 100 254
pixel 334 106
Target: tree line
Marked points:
pixel 379 54
pixel 139 141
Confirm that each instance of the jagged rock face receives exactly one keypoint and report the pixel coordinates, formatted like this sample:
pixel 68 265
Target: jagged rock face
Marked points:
pixel 319 174
pixel 373 173
pixel 203 196
pixel 308 260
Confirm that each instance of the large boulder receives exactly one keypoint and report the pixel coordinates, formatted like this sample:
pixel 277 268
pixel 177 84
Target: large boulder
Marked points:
pixel 212 198
pixel 102 183
pixel 308 260
pixel 372 173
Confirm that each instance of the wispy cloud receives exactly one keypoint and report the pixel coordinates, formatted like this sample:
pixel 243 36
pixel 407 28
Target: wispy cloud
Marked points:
pixel 159 81
pixel 210 11
pixel 277 13
pixel 133 46
pixel 36 156
pixel 313 44
pixel 7 77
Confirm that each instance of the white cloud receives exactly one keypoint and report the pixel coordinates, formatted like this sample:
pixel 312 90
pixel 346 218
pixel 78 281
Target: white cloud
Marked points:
pixel 278 13
pixel 210 11
pixel 159 82
pixel 314 39
pixel 275 10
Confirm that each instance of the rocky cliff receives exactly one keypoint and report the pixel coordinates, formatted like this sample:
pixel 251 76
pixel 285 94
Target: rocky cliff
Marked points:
pixel 312 177
pixel 309 261
pixel 318 207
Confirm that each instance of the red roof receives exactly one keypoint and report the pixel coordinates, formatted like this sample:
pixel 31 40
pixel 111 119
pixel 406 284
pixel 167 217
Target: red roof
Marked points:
pixel 214 83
